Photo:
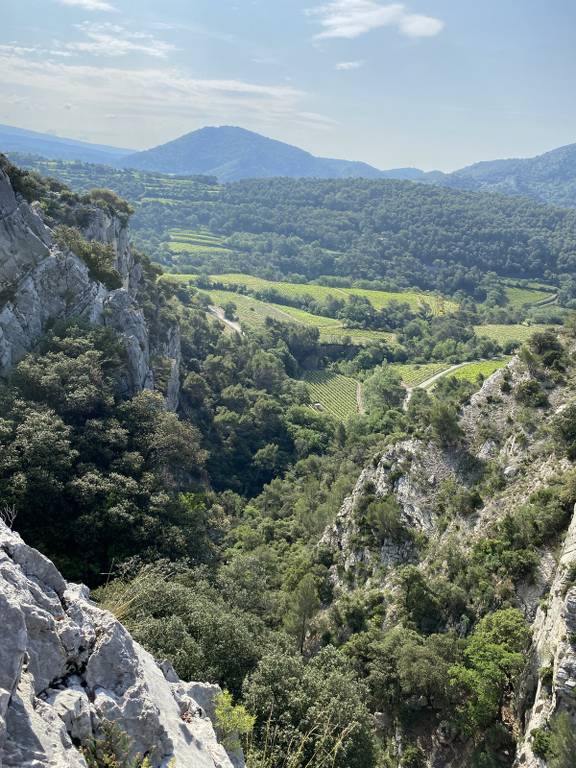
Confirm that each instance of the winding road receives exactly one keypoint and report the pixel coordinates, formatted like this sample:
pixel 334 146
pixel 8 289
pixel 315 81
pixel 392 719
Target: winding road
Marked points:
pixel 429 382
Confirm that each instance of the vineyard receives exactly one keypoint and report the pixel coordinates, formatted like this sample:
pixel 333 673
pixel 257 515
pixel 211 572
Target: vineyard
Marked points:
pixel 252 313
pixel 413 375
pixel 519 297
pixel 507 334
pixel 200 241
pixel 485 368
pixel 378 299
pixel 333 393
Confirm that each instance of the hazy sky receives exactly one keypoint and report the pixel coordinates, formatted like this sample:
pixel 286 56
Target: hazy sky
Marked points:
pixel 427 83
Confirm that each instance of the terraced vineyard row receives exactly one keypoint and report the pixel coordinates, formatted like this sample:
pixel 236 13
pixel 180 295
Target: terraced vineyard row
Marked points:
pixel 506 334
pixel 333 393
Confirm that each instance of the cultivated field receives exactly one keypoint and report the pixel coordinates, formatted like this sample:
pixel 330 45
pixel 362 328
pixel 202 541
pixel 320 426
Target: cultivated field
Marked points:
pixel 334 393
pixel 378 299
pixel 485 368
pixel 413 374
pixel 195 242
pixel 519 297
pixel 505 334
pixel 252 313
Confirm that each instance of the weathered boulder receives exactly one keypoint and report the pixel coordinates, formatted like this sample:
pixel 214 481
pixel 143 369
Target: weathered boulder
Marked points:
pixel 66 666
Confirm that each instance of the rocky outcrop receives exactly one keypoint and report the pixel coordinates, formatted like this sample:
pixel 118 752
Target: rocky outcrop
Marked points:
pixel 550 683
pixel 497 438
pixel 410 472
pixel 41 282
pixel 66 666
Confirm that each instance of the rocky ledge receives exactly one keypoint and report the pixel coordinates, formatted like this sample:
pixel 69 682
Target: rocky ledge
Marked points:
pixel 67 666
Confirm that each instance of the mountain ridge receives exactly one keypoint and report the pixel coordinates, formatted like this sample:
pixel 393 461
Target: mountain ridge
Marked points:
pixel 13 139
pixel 231 153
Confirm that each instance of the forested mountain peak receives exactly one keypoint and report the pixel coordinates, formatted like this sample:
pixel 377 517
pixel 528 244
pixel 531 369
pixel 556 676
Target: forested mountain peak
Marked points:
pixel 550 177
pixel 232 153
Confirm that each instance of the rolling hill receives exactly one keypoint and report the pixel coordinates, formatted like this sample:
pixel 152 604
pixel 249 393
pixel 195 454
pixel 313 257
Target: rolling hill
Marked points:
pixel 232 153
pixel 20 140
pixel 550 177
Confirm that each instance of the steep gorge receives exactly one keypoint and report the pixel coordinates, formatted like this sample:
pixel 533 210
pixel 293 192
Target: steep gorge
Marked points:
pixel 452 523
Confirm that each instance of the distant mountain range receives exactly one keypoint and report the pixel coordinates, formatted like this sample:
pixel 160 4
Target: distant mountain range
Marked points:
pixel 55 148
pixel 232 153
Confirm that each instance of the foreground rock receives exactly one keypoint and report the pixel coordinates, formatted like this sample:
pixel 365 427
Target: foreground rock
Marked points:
pixel 66 666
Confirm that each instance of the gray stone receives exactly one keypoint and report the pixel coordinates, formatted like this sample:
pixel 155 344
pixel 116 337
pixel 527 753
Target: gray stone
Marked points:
pixel 66 666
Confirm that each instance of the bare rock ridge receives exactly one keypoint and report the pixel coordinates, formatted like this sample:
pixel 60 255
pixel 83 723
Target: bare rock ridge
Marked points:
pixel 66 666
pixel 42 282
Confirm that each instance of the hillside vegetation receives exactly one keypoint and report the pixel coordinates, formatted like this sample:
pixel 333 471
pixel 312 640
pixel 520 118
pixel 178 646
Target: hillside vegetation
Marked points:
pixel 403 234
pixel 377 581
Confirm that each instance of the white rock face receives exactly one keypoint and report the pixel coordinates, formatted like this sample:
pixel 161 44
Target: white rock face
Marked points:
pixel 41 283
pixel 66 666
pixel 553 650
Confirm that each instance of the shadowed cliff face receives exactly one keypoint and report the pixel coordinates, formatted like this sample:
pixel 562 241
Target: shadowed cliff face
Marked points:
pixel 66 667
pixel 42 282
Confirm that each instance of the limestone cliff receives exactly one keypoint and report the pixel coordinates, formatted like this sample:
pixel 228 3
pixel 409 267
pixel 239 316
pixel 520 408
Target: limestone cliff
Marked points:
pixel 413 473
pixel 42 282
pixel 66 666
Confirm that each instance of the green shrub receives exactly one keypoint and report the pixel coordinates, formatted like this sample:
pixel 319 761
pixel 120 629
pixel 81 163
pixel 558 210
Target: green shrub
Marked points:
pixel 112 749
pixel 531 394
pixel 98 257
pixel 233 722
pixel 413 757
pixel 541 742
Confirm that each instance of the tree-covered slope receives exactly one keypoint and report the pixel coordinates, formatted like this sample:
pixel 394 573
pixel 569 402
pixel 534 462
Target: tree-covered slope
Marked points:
pixel 231 153
pixel 404 233
pixel 378 592
pixel 47 145
pixel 550 177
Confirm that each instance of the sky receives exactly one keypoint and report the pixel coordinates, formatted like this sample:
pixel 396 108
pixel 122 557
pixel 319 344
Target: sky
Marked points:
pixel 426 83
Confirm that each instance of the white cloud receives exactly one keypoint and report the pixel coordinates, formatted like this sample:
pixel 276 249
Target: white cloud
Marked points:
pixel 159 100
pixel 113 40
pixel 347 66
pixel 352 18
pixel 89 5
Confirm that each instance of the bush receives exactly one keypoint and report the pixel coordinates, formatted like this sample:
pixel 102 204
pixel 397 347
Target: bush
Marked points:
pixel 99 258
pixel 112 750
pixel 413 757
pixel 232 721
pixel 541 742
pixel 531 394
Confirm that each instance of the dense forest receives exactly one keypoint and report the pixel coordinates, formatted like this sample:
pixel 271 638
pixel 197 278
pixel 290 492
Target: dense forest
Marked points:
pixel 397 232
